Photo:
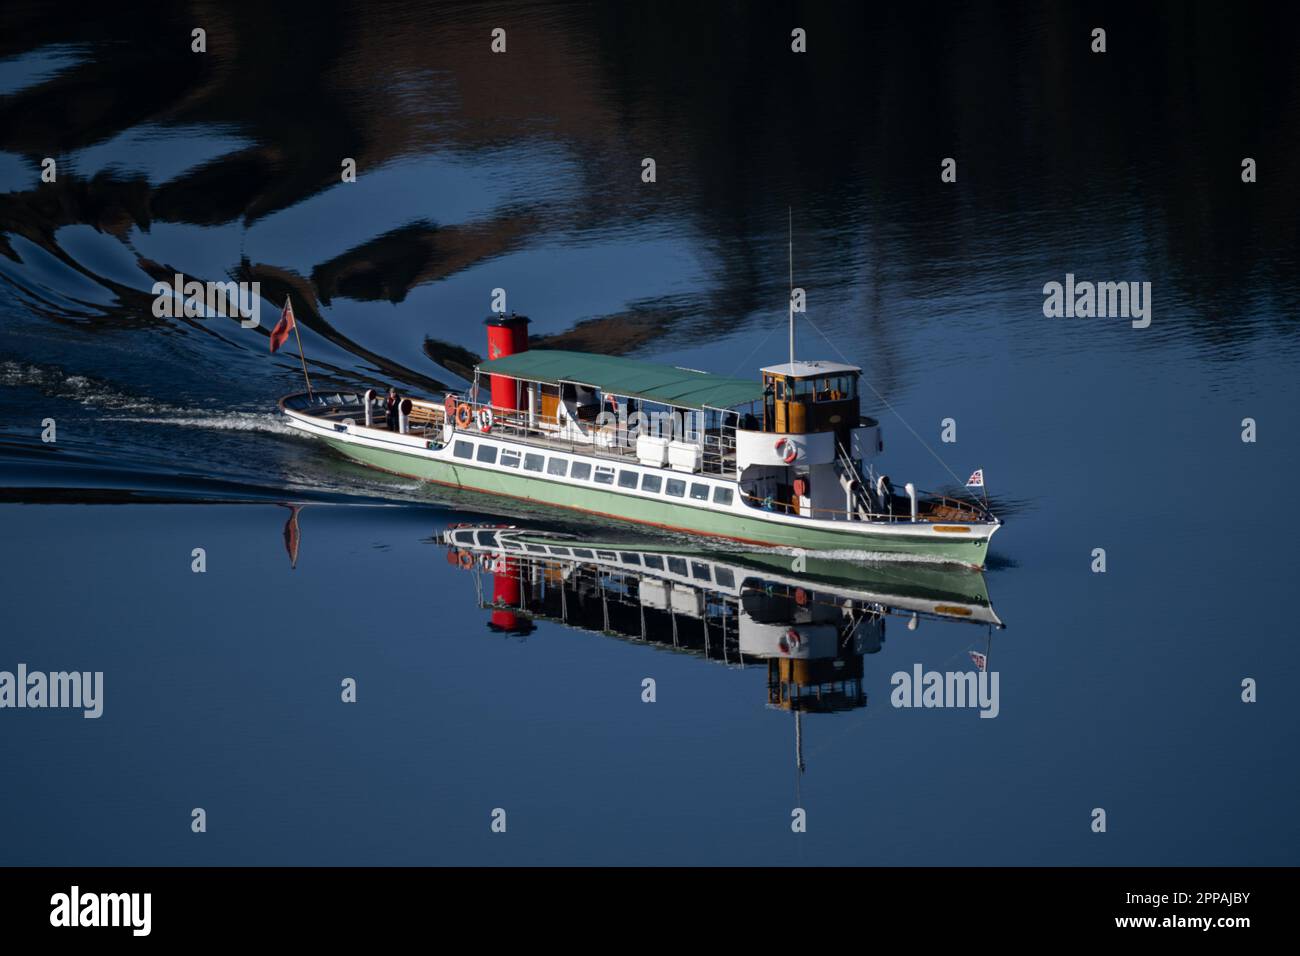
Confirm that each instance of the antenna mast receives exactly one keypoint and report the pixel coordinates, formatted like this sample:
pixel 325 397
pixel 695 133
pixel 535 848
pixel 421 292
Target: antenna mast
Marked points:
pixel 790 210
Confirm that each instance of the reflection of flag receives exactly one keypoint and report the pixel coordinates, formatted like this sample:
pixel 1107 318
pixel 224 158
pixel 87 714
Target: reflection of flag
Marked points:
pixel 292 536
pixel 283 327
pixel 976 480
pixel 981 662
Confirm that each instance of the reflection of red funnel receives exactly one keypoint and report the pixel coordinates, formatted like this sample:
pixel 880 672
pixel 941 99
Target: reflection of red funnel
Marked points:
pixel 505 593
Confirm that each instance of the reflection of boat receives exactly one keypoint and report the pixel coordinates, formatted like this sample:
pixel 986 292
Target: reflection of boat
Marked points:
pixel 812 627
pixel 786 460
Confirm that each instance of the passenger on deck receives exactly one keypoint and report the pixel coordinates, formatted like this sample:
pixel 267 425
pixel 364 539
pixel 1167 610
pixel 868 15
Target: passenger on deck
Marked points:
pixel 391 404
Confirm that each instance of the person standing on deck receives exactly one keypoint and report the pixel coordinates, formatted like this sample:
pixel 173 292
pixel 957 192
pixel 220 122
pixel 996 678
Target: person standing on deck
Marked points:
pixel 391 404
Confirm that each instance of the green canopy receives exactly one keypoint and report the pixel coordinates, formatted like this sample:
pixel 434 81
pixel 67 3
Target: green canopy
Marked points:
pixel 683 387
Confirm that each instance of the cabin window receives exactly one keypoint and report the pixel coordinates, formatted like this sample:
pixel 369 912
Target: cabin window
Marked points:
pixel 700 492
pixel 463 449
pixel 654 561
pixel 535 548
pixel 607 555
pixel 487 454
pixel 627 479
pixel 510 459
pixel 558 467
pixel 651 483
pixel 581 471
pixel 721 495
pixel 677 566
pixel 700 571
pixel 604 476
pixel 563 552
pixel 581 553
pixel 676 487
pixel 629 558
pixel 691 425
pixel 533 462
pixel 724 577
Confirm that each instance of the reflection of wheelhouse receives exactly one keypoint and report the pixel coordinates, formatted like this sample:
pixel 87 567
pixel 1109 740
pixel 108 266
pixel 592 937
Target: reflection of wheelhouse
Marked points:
pixel 814 644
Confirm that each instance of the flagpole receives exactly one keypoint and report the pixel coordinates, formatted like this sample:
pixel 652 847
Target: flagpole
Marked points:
pixel 300 353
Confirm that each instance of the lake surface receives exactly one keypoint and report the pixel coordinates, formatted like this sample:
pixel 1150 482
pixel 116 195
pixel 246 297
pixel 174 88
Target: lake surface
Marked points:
pixel 523 171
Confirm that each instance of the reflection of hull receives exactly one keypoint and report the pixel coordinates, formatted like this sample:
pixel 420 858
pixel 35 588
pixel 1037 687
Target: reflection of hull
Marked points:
pixel 929 590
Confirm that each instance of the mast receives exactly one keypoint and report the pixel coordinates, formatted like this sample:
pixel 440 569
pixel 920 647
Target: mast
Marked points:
pixel 790 211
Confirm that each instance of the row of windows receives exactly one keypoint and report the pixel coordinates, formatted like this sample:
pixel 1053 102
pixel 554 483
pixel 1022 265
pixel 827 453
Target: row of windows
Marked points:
pixel 581 471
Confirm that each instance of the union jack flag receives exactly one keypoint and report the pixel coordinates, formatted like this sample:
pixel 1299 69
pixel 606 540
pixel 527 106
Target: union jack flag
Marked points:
pixel 976 480
pixel 980 660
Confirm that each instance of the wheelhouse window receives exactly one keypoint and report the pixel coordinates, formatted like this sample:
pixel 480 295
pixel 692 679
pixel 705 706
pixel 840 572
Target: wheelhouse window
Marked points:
pixel 463 449
pixel 533 462
pixel 487 454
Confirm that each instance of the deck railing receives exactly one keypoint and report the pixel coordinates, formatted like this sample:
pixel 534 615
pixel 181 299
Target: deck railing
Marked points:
pixel 970 512
pixel 613 441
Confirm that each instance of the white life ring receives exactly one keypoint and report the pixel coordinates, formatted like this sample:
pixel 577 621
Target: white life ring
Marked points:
pixel 787 449
pixel 484 418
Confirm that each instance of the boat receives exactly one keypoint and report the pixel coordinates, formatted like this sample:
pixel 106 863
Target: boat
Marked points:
pixel 785 460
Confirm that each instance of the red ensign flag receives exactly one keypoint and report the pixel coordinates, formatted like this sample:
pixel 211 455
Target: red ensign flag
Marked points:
pixel 283 327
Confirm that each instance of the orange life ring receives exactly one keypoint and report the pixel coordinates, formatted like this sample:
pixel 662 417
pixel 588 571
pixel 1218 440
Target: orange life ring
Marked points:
pixel 464 415
pixel 791 450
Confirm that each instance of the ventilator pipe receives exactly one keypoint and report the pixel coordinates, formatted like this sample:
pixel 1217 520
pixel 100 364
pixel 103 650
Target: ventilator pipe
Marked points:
pixel 911 494
pixel 370 407
pixel 404 422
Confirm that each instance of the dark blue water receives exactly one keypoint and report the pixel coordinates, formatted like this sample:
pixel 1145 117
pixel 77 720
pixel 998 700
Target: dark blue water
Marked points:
pixel 522 171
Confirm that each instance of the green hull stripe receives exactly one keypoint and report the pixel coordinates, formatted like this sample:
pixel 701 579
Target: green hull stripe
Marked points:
pixel 660 513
